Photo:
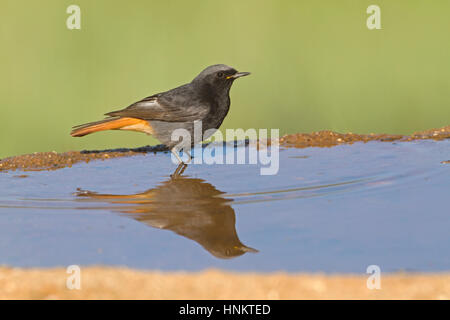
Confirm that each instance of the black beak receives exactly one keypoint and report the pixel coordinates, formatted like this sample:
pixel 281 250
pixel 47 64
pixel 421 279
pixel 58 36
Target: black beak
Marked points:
pixel 238 75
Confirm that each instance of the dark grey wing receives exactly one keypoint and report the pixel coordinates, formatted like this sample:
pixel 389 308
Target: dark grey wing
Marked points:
pixel 177 105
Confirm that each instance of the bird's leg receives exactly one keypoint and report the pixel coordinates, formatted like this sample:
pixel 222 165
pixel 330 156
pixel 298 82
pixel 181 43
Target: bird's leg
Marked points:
pixel 182 169
pixel 180 161
pixel 175 153
pixel 190 157
pixel 181 165
pixel 179 170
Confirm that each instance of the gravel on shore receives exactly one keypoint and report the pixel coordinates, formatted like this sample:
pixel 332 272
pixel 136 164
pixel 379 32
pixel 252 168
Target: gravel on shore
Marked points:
pixel 53 160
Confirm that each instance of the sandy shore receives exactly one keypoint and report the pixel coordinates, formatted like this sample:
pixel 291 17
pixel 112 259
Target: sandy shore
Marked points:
pixel 53 160
pixel 122 283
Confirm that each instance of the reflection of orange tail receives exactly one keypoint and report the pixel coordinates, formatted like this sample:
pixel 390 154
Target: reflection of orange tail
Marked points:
pixel 115 123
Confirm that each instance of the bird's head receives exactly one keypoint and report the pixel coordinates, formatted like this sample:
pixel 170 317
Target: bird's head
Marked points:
pixel 219 76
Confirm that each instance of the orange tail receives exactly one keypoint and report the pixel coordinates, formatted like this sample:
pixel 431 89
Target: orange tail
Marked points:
pixel 115 123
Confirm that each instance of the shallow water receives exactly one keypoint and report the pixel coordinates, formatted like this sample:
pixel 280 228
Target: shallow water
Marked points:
pixel 334 209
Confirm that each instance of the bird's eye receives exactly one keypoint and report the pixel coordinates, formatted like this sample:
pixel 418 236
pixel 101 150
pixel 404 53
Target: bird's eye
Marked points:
pixel 220 74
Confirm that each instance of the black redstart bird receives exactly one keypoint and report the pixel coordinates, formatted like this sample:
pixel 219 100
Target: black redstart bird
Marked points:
pixel 205 99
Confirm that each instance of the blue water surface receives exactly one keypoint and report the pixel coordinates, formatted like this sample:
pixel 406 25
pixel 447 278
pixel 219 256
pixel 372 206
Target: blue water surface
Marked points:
pixel 330 210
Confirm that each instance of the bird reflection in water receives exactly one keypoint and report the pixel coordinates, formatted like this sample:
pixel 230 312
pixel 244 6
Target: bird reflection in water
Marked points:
pixel 190 207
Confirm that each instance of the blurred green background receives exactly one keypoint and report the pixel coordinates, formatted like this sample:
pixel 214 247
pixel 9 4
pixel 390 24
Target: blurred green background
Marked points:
pixel 314 65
